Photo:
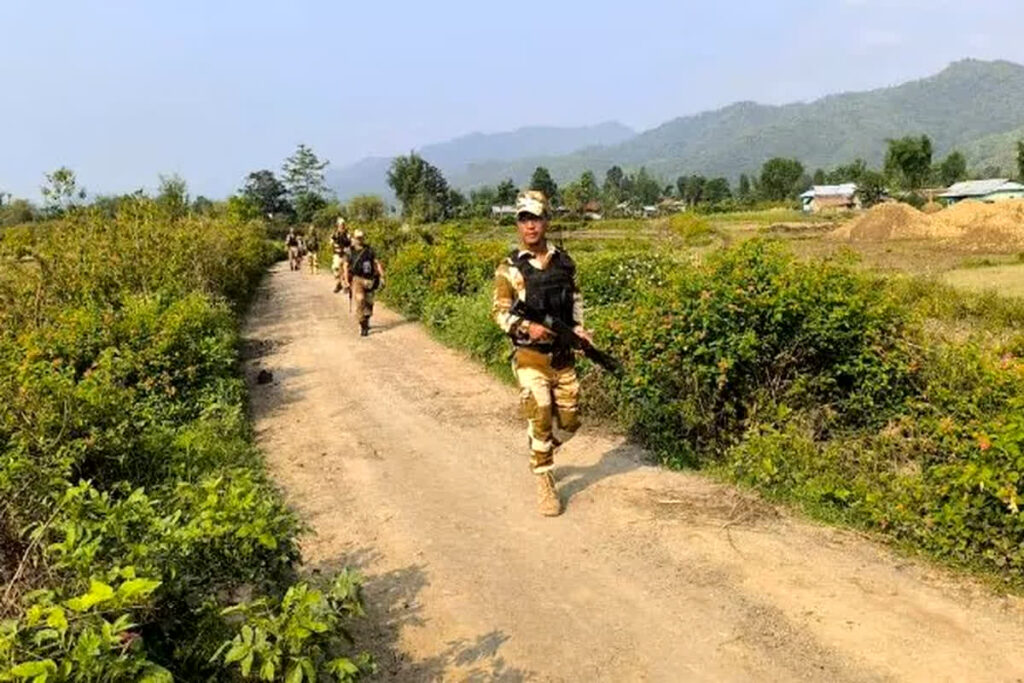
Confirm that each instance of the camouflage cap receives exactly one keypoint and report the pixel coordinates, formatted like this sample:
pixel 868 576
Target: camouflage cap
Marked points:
pixel 533 202
pixel 359 235
pixel 340 221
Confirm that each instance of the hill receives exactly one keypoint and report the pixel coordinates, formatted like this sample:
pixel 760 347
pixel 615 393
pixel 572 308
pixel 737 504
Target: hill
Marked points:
pixel 972 105
pixel 454 157
pixel 963 106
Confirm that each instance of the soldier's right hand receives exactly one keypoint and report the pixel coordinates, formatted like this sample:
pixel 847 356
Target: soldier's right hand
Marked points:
pixel 538 332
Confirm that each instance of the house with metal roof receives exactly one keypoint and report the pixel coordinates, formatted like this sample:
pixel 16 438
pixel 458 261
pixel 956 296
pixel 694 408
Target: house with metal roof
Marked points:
pixel 830 198
pixel 990 190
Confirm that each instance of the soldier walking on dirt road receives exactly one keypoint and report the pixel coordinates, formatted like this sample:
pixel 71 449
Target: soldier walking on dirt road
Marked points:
pixel 291 241
pixel 312 248
pixel 341 245
pixel 544 277
pixel 364 274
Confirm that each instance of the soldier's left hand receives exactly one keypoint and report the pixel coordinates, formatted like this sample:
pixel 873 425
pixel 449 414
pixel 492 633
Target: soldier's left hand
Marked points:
pixel 584 333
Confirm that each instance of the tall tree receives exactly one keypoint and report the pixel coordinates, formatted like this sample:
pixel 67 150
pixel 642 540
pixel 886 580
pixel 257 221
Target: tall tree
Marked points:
pixel 953 169
pixel 850 173
pixel 1020 160
pixel 366 208
pixel 871 188
pixel 819 177
pixel 646 189
pixel 481 200
pixel 744 191
pixel 421 188
pixel 717 190
pixel 909 160
pixel 505 193
pixel 61 191
pixel 304 178
pixel 172 195
pixel 542 180
pixel 263 190
pixel 780 178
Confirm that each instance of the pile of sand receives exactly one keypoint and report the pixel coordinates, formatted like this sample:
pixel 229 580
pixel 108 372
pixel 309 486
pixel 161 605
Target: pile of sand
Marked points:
pixel 980 226
pixel 889 221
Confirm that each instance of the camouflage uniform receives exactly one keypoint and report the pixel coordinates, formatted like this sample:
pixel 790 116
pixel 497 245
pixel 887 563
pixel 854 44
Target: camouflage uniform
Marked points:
pixel 547 377
pixel 363 272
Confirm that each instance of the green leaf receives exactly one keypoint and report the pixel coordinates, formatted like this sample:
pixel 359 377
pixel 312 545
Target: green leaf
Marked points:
pixel 98 592
pixel 136 588
pixel 42 667
pixel 247 663
pixel 155 674
pixel 57 620
pixel 295 674
pixel 236 653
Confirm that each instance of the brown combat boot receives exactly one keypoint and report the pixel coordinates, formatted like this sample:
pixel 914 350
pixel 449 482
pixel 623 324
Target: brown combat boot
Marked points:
pixel 547 497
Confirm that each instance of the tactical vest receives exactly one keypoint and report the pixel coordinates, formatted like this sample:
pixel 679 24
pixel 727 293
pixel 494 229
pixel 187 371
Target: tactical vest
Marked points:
pixel 361 264
pixel 549 290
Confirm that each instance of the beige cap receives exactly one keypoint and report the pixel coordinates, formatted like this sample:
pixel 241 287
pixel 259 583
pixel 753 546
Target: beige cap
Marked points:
pixel 533 202
pixel 340 221
pixel 359 235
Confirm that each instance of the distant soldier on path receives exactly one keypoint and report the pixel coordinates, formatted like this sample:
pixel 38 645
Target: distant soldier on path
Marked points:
pixel 291 241
pixel 364 274
pixel 341 245
pixel 312 248
pixel 544 277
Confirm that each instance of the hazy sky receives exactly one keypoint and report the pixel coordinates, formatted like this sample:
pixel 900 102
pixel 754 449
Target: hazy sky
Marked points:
pixel 122 91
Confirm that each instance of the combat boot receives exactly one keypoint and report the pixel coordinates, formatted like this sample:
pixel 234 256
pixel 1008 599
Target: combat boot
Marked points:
pixel 548 502
pixel 364 328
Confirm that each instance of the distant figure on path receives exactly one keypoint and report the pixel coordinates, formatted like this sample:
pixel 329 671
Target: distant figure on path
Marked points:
pixel 341 245
pixel 292 242
pixel 312 248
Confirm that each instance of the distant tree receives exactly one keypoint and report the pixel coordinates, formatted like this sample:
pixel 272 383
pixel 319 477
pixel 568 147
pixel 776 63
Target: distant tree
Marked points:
pixel 268 194
pixel 203 206
pixel 542 180
pixel 871 188
pixel 691 189
pixel 850 173
pixel 17 211
pixel 1020 160
pixel 909 161
pixel 61 191
pixel 717 190
pixel 304 178
pixel 505 194
pixel 992 171
pixel 646 189
pixel 172 195
pixel 481 199
pixel 780 178
pixel 420 187
pixel 819 177
pixel 953 169
pixel 366 208
pixel 588 186
pixel 743 190
pixel 578 194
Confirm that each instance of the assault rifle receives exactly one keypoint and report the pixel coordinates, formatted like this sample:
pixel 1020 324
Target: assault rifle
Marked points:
pixel 566 335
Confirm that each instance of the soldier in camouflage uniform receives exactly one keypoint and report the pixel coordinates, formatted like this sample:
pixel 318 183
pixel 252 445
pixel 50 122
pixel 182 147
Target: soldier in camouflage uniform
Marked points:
pixel 543 276
pixel 364 274
pixel 341 246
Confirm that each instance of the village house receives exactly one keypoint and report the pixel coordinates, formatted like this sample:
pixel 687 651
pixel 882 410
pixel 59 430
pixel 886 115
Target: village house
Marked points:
pixel 830 198
pixel 991 190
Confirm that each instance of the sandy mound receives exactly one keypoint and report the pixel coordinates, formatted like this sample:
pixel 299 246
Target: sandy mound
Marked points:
pixel 983 226
pixel 889 221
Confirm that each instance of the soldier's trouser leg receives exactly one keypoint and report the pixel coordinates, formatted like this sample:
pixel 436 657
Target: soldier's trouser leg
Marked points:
pixel 547 394
pixel 362 296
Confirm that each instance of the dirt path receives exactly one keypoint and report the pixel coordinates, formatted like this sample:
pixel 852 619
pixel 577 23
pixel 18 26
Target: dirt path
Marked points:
pixel 407 462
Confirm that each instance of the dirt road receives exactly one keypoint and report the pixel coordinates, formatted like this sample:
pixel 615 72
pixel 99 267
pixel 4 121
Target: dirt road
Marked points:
pixel 407 461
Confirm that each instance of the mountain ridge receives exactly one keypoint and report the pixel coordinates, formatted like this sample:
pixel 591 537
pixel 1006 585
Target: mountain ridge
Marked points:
pixel 971 104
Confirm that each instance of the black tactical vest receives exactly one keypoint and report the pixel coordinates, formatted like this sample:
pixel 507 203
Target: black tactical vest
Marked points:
pixel 549 290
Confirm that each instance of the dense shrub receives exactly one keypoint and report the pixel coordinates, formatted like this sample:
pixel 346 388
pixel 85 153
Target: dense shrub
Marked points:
pixel 811 381
pixel 135 509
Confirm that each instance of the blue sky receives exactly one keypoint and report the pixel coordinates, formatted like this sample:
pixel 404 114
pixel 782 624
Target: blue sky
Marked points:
pixel 123 91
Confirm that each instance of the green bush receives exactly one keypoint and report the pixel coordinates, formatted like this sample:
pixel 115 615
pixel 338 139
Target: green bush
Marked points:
pixel 859 398
pixel 135 507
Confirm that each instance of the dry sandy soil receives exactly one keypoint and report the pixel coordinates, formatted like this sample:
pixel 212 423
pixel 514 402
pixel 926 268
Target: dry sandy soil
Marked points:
pixel 407 461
